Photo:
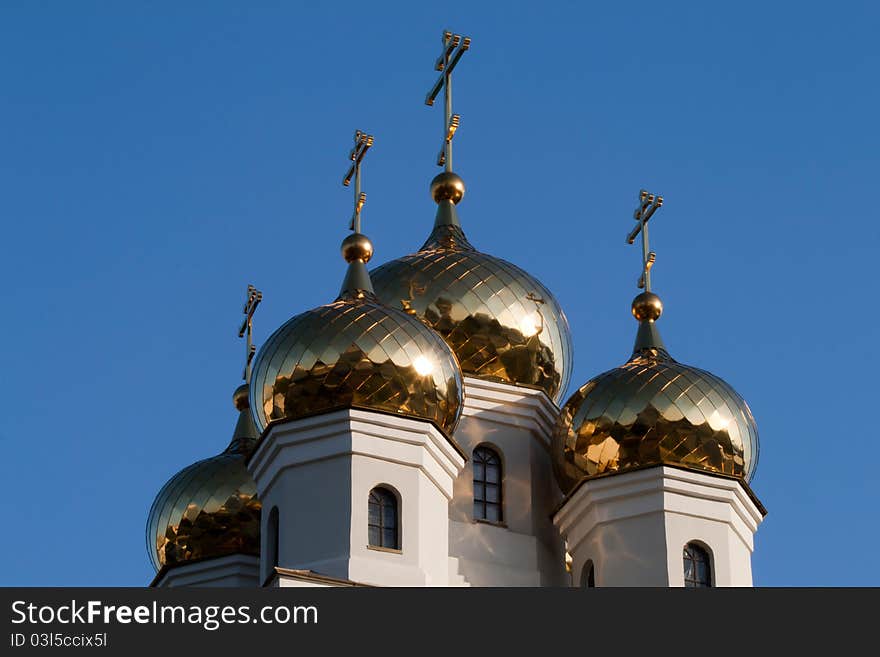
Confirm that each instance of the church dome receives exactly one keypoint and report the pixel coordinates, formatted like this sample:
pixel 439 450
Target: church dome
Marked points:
pixel 210 508
pixel 500 321
pixel 653 410
pixel 356 353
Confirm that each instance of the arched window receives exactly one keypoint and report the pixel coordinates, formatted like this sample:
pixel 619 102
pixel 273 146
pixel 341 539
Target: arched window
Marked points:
pixel 697 567
pixel 271 541
pixel 588 576
pixel 384 530
pixel 487 485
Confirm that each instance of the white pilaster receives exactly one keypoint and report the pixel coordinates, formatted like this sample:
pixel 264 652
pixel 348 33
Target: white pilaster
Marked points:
pixel 525 549
pixel 634 525
pixel 319 472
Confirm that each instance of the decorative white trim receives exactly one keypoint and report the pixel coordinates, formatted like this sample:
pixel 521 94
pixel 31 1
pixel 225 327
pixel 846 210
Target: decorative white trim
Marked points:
pixel 231 570
pixel 286 577
pixel 346 432
pixel 661 489
pixel 510 405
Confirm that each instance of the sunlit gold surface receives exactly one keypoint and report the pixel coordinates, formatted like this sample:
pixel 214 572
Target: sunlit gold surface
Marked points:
pixel 447 186
pixel 654 410
pixel 356 352
pixel 647 306
pixel 357 247
pixel 481 306
pixel 209 509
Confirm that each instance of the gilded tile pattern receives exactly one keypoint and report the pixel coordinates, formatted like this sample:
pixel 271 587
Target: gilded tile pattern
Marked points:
pixel 356 352
pixel 654 410
pixel 208 509
pixel 480 305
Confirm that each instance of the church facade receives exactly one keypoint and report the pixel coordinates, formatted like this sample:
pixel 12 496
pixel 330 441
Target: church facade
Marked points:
pixel 413 432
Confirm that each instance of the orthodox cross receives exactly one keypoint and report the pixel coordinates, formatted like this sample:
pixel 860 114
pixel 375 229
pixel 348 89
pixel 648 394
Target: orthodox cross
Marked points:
pixel 648 204
pixel 362 143
pixel 454 46
pixel 254 296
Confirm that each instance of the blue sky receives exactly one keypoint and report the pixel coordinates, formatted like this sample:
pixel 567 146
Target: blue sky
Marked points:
pixel 157 157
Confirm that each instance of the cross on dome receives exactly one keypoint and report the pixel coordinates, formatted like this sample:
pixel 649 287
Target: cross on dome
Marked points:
pixel 254 296
pixel 648 205
pixel 362 143
pixel 454 46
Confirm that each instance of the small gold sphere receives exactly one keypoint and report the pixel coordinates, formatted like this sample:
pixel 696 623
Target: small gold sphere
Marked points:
pixel 357 247
pixel 240 397
pixel 647 307
pixel 447 186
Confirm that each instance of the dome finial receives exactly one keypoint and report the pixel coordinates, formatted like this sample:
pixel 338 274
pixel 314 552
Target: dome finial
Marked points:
pixel 357 248
pixel 245 434
pixel 646 307
pixel 454 46
pixel 447 186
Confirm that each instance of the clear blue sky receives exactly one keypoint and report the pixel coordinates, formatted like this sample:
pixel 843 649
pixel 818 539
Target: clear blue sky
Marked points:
pixel 157 157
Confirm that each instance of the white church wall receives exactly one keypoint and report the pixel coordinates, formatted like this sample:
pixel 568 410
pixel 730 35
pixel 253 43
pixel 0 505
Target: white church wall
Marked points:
pixel 524 549
pixel 314 504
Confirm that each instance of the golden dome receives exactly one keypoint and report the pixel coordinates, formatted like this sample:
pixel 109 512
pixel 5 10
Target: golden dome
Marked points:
pixel 502 323
pixel 356 353
pixel 209 509
pixel 653 410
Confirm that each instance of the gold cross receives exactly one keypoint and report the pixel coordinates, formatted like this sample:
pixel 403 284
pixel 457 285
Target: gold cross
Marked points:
pixel 648 205
pixel 362 143
pixel 254 296
pixel 454 46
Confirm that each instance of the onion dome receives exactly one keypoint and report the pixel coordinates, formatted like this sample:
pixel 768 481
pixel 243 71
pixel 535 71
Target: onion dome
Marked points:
pixel 653 410
pixel 501 322
pixel 209 509
pixel 356 353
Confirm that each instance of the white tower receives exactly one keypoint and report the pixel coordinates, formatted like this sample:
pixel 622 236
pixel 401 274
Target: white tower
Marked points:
pixel 654 457
pixel 359 402
pixel 513 345
pixel 658 526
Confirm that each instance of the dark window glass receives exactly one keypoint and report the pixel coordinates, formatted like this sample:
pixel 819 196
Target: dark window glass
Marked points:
pixel 487 485
pixel 383 530
pixel 697 567
pixel 271 543
pixel 588 576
